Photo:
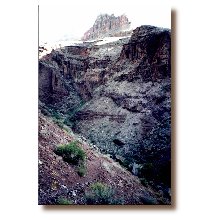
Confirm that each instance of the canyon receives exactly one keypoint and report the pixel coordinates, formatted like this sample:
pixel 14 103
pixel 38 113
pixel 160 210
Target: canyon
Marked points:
pixel 112 91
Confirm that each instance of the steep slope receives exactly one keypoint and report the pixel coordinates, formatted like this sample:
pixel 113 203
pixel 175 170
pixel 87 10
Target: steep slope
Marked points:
pixel 58 179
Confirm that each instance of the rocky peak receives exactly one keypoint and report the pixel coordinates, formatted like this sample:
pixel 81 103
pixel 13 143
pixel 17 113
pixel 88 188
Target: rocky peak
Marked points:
pixel 106 26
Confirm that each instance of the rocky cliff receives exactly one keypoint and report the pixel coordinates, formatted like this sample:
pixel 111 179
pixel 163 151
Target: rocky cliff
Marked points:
pixel 118 96
pixel 108 26
pixel 72 73
pixel 129 116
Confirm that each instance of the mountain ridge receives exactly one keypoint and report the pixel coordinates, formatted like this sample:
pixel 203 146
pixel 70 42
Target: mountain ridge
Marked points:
pixel 108 25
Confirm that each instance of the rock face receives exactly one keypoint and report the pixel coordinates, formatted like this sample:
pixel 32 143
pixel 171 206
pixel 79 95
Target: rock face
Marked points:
pixel 117 95
pixel 72 73
pixel 106 26
pixel 150 48
pixel 130 114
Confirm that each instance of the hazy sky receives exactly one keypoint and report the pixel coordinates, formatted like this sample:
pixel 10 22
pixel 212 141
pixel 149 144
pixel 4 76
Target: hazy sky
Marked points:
pixel 55 21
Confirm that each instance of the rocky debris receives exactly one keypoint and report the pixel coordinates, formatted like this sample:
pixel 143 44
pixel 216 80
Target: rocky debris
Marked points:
pixel 108 25
pixel 57 179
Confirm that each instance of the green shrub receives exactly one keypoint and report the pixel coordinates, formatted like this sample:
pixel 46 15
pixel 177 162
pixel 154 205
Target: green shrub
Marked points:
pixel 101 194
pixel 71 153
pixel 71 114
pixel 100 189
pixel 64 201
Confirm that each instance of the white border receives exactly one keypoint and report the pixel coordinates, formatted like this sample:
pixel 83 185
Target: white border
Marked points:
pixel 197 117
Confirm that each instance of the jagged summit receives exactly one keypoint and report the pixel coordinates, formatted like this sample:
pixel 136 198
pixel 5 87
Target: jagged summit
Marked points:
pixel 106 26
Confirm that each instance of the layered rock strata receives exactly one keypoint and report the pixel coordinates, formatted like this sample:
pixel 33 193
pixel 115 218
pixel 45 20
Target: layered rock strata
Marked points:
pixel 108 26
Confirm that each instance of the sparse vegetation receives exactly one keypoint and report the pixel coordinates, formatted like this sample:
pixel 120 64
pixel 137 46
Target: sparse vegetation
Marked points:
pixel 101 194
pixel 71 113
pixel 61 120
pixel 54 114
pixel 73 154
pixel 64 201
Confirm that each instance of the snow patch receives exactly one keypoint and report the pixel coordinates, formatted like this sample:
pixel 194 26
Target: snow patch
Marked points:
pixel 57 45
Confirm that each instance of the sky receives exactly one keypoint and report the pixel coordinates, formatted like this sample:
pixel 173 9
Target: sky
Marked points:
pixel 56 21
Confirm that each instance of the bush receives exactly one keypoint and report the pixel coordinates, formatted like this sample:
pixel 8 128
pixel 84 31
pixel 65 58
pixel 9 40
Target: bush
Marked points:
pixel 71 114
pixel 71 153
pixel 64 201
pixel 100 194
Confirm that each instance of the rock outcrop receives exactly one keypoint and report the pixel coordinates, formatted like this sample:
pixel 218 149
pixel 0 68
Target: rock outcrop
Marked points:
pixel 150 48
pixel 108 26
pixel 118 96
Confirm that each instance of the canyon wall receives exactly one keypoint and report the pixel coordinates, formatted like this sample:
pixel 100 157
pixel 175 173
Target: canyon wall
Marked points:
pixel 118 96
